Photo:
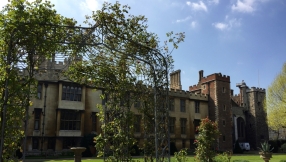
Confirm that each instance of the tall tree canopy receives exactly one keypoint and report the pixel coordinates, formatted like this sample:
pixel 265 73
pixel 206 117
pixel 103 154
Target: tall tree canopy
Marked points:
pixel 27 38
pixel 131 65
pixel 275 101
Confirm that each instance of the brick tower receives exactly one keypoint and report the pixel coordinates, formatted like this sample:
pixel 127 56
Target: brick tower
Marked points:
pixel 217 86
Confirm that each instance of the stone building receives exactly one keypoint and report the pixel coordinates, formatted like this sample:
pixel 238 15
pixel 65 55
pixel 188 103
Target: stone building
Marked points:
pixel 249 116
pixel 63 112
pixel 240 117
pixel 186 111
pixel 217 87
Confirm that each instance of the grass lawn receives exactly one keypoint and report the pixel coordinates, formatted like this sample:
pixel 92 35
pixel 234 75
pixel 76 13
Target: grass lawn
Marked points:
pixel 251 158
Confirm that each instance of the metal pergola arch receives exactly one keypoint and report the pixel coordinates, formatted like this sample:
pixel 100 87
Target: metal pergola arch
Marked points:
pixel 161 113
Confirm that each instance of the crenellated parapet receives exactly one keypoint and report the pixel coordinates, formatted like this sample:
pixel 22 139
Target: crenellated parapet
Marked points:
pixel 187 94
pixel 49 70
pixel 256 89
pixel 194 87
pixel 212 77
pixel 215 76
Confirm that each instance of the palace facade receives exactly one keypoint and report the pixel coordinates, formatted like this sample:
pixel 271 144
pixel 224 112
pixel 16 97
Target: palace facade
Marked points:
pixel 63 112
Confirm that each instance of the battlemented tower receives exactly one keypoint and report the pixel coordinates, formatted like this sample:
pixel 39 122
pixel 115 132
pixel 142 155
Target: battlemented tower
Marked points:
pixel 251 100
pixel 217 86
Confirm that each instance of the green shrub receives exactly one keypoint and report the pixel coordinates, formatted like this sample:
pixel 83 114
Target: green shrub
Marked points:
pixel 283 147
pixel 221 158
pixel 282 161
pixel 205 143
pixel 111 159
pixel 181 156
pixel 240 161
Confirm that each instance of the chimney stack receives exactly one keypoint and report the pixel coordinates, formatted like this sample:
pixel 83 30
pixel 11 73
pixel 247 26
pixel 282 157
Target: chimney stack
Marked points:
pixel 175 78
pixel 201 75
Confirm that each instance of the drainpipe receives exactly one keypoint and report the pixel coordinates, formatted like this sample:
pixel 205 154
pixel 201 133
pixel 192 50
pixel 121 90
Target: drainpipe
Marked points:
pixel 44 114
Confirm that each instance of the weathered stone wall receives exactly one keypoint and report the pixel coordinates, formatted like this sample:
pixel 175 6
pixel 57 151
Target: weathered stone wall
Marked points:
pixel 257 117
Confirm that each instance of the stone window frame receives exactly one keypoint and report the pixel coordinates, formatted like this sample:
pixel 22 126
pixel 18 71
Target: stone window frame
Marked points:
pixel 183 122
pixel 223 138
pixel 182 105
pixel 197 106
pixel 70 120
pixel 71 92
pixel 172 104
pixel 224 108
pixel 223 89
pixel 37 118
pixel 172 123
pixel 94 121
pixel 39 90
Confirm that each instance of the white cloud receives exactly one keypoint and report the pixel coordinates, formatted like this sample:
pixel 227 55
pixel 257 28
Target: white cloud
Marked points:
pixel 183 20
pixel 245 6
pixel 197 6
pixel 214 1
pixel 228 24
pixel 193 24
pixel 221 26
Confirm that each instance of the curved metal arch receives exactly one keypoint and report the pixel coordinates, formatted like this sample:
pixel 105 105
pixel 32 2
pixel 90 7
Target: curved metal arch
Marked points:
pixel 161 112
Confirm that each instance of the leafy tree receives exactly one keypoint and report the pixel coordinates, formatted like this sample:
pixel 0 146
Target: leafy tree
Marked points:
pixel 128 64
pixel 27 38
pixel 208 134
pixel 275 101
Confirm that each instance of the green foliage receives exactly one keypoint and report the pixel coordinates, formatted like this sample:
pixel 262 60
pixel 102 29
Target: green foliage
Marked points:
pixel 275 101
pixel 25 42
pixel 110 159
pixel 224 157
pixel 237 149
pixel 126 61
pixel 181 156
pixel 240 161
pixel 208 133
pixel 283 147
pixel 265 147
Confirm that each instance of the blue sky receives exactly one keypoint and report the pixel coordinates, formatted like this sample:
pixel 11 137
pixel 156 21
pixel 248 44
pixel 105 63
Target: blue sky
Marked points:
pixel 245 39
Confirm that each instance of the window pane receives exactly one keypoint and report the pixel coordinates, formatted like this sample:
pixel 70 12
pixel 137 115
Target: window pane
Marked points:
pixel 39 91
pixel 36 125
pixel 72 92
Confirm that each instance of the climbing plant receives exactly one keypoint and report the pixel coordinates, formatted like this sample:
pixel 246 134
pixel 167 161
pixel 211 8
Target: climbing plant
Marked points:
pixel 27 38
pixel 129 65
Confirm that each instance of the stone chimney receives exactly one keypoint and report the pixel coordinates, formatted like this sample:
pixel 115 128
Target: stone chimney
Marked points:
pixel 175 78
pixel 201 75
